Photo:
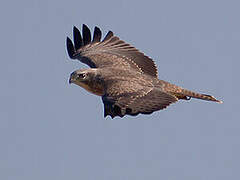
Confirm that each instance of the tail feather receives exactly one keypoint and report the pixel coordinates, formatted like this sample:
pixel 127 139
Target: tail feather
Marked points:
pixel 185 94
pixel 192 94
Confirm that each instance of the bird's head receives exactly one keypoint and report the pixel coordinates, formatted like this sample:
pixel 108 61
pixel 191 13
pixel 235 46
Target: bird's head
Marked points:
pixel 87 79
pixel 83 76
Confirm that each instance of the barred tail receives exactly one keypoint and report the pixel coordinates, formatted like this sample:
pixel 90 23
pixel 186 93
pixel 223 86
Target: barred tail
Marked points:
pixel 185 94
pixel 192 94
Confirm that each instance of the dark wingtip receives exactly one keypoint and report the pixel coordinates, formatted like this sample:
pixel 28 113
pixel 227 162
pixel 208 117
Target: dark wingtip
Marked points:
pixel 84 26
pixel 97 35
pixel 86 34
pixel 108 36
pixel 70 48
pixel 77 38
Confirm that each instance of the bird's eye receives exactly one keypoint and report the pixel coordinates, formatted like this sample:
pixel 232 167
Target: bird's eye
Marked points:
pixel 81 76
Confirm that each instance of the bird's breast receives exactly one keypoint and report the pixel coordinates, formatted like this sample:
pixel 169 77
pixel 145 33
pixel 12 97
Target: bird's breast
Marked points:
pixel 93 88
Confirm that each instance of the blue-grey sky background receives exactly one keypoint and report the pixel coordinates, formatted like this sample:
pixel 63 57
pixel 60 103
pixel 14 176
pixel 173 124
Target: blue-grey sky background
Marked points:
pixel 52 130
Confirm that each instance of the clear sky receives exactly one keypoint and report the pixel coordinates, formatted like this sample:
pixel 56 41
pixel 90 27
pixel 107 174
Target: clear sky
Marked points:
pixel 52 130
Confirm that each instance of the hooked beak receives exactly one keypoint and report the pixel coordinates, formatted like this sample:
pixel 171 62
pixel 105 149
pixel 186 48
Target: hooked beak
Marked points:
pixel 70 80
pixel 72 77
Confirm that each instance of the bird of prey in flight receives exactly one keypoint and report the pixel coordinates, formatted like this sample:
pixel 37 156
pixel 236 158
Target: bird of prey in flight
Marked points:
pixel 125 78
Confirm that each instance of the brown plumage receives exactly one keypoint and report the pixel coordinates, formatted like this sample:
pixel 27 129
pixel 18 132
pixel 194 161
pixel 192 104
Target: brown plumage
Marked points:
pixel 126 79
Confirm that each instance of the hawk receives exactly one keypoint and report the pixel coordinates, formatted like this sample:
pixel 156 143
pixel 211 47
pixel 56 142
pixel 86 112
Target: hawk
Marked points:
pixel 125 78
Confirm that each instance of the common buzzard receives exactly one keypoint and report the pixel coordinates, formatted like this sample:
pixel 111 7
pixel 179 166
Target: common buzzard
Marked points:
pixel 125 78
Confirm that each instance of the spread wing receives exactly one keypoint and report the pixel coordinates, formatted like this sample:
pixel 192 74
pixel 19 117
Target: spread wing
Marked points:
pixel 131 99
pixel 111 51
